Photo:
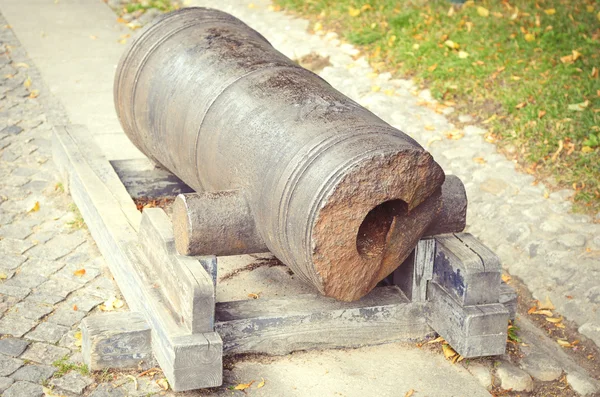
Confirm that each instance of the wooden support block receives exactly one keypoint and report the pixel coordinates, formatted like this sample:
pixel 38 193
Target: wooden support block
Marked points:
pixel 113 221
pixel 311 321
pixel 467 269
pixel 184 281
pixel 412 276
pixel 115 340
pixel 508 297
pixel 473 331
pixel 144 179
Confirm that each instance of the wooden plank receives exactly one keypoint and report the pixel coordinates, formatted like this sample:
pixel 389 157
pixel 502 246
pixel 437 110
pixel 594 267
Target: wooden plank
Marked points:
pixel 279 326
pixel 412 276
pixel 473 331
pixel 467 269
pixel 117 240
pixel 185 282
pixel 142 178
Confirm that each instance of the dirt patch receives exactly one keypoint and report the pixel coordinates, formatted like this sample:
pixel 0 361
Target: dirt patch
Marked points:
pixel 152 202
pixel 259 262
pixel 313 62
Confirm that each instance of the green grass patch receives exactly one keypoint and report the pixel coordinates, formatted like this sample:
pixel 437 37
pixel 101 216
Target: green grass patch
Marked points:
pixel 64 365
pixel 527 71
pixel 78 222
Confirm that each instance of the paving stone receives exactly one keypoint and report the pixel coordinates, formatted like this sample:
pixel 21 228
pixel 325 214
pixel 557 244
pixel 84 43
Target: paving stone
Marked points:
pixel 8 365
pixel 15 325
pixel 5 383
pixel 13 346
pixel 31 309
pixel 25 280
pixel 58 247
pixel 14 246
pixel 48 332
pixel 12 130
pixel 108 390
pixel 24 389
pixel 7 302
pixel 41 267
pixel 66 316
pixel 11 261
pixel 541 367
pixel 15 231
pixel 44 354
pixel 482 374
pixel 58 286
pixel 592 331
pixel 23 171
pixel 46 299
pixel 582 384
pixel 17 292
pixel 73 382
pixel 513 378
pixel 571 240
pixel 68 272
pixel 84 303
pixel 494 186
pixel 34 373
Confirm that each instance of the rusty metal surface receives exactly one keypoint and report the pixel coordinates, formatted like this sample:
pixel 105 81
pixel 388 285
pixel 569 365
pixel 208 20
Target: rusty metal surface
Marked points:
pixel 334 192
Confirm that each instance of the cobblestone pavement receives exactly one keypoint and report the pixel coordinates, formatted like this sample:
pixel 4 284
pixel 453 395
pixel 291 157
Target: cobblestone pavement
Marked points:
pixel 556 253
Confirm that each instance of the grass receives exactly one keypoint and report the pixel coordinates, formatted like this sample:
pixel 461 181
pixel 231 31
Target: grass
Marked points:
pixel 63 366
pixel 519 67
pixel 78 222
pixel 162 5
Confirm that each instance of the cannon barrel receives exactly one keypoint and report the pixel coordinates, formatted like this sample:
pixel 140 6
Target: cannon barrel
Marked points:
pixel 281 160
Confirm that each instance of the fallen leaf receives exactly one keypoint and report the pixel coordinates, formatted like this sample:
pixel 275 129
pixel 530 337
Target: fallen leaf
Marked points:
pixel 389 92
pixel 78 338
pixel 564 343
pixel 353 12
pixel 93 37
pixel 579 107
pixel 576 55
pixel 3 276
pixel 253 296
pixel 547 304
pixel 251 5
pixel 21 65
pixel 550 11
pixel 554 319
pixel 121 20
pixel 506 278
pixel 543 312
pixel 375 88
pixel 429 127
pixel 111 304
pixel 34 94
pixel 243 386
pixel 261 383
pixel 586 149
pixel 484 12
pixel 541 114
pixel 560 148
pixel 463 54
pixel 35 207
pixel 532 310
pixel 448 351
pixel 455 135
pixel 366 7
pixel 409 393
pixel 480 160
pixel 75 308
pixel 521 105
pixel 452 44
pixel 163 383
pixel 434 139
pixel 27 82
pixel 318 26
pixel 529 37
pixel 432 67
pixel 436 340
pixel 79 272
pixel 451 11
pixel 594 73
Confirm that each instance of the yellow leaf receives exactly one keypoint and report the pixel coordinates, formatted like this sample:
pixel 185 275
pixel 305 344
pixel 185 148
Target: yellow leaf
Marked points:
pixel 111 304
pixel 243 386
pixel 451 11
pixel 506 278
pixel 479 160
pixel 122 41
pixel 3 276
pixel 541 114
pixel 77 337
pixel 564 343
pixel 598 15
pixel 353 12
pixel 434 139
pixel 436 340
pixel 543 312
pixel 550 11
pixel 27 82
pixel 261 383
pixel 318 26
pixel 576 55
pixel 554 320
pixel 521 105
pixel 484 12
pixel 451 44
pixel 429 127
pixel 432 67
pixel 586 149
pixel 547 304
pixel 448 351
pixel 590 8
pixel 389 92
pixel 455 135
pixel 253 296
pixel 93 37
pixel 529 37
pixel 409 393
pixel 366 7
pixel 34 94
pixel 251 5
pixel 163 383
pixel 35 207
pixel 375 88
pixel 21 65
pixel 79 272
pixel 463 54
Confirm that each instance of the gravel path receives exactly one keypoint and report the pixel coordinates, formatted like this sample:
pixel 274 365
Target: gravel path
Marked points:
pixel 556 253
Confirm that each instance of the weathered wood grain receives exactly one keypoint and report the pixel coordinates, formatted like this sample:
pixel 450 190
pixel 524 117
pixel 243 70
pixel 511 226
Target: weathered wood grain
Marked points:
pixel 142 178
pixel 116 238
pixel 185 282
pixel 473 331
pixel 279 326
pixel 115 340
pixel 467 269
pixel 412 276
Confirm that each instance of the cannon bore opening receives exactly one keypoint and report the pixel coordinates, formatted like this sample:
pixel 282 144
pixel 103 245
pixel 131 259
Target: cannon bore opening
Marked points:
pixel 372 233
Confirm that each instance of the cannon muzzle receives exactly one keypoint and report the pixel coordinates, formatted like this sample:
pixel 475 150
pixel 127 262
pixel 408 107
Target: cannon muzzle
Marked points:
pixel 281 161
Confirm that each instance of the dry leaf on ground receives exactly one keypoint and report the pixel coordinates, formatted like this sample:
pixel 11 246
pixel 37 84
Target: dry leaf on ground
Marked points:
pixel 79 272
pixel 243 386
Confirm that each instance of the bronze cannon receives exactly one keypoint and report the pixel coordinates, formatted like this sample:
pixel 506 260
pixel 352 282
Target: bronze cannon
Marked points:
pixel 280 160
